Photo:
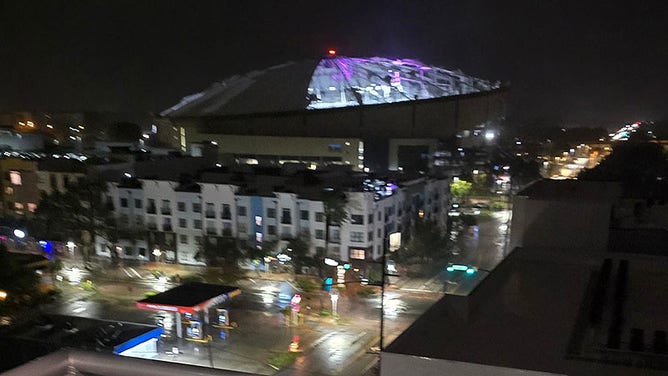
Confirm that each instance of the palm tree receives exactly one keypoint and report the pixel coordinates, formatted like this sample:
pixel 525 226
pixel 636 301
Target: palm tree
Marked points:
pixel 334 202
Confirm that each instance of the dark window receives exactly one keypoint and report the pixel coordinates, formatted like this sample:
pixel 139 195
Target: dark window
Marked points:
pixel 286 218
pixel 370 218
pixel 320 217
pixel 271 230
pixel 181 206
pixel 197 207
pixel 138 203
pixel 124 202
pixel 241 210
pixel 303 214
pixel 226 212
pixel 271 213
pixel 357 219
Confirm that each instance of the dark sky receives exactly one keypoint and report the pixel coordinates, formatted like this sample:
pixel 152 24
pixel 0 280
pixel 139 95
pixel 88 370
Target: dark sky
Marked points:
pixel 579 61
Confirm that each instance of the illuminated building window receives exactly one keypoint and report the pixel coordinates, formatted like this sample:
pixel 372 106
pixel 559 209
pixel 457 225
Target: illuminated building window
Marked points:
pixel 9 190
pixel 258 220
pixel 357 254
pixel 258 237
pixel 15 177
pixel 18 206
pixel 32 207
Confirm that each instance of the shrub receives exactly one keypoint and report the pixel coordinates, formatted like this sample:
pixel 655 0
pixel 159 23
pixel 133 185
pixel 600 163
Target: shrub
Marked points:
pixel 307 285
pixel 88 285
pixel 283 359
pixel 192 278
pixel 498 205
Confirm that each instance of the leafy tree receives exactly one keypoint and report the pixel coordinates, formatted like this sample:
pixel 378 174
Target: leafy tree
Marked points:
pixel 426 241
pixel 298 249
pixel 81 213
pixel 460 189
pixel 220 251
pixel 334 202
pixel 16 280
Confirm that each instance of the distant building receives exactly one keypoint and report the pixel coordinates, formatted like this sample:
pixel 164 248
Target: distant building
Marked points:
pixel 372 114
pixel 256 207
pixel 19 188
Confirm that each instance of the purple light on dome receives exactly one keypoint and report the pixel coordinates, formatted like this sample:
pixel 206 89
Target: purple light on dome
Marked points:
pixel 396 78
pixel 343 65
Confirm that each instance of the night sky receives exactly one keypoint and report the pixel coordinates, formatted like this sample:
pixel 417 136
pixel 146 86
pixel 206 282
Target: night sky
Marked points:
pixel 592 63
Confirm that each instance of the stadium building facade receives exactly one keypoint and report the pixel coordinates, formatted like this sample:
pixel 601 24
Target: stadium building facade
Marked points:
pixel 369 113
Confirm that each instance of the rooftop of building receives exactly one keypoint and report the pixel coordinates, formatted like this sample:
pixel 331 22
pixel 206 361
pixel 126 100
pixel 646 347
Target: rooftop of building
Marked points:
pixel 73 362
pixel 548 189
pixel 553 311
pixel 332 82
pixel 190 294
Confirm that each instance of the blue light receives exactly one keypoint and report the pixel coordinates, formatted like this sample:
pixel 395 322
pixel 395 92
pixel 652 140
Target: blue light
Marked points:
pixel 470 271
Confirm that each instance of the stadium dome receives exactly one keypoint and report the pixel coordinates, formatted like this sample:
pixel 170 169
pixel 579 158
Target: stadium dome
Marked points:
pixel 332 82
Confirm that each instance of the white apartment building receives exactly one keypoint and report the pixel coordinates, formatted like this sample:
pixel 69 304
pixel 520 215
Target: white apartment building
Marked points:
pixel 166 219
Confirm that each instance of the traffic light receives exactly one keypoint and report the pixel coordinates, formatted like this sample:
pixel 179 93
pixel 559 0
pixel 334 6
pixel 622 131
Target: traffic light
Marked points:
pixel 327 285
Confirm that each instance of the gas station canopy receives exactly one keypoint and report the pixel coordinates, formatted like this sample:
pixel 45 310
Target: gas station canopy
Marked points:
pixel 189 298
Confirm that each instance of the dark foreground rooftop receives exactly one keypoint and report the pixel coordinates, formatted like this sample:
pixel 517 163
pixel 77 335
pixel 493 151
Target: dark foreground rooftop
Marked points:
pixel 548 311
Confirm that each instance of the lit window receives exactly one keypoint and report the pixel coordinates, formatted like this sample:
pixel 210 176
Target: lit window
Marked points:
pixel 15 177
pixel 258 220
pixel 258 237
pixel 357 254
pixel 18 206
pixel 9 190
pixel 32 207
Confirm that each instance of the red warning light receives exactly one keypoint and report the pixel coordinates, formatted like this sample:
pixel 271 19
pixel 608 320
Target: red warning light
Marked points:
pixel 331 52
